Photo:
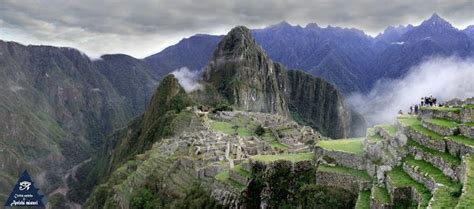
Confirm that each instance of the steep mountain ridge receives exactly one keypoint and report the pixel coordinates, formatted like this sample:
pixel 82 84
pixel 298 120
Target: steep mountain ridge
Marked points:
pixel 433 37
pixel 345 57
pixel 57 106
pixel 245 76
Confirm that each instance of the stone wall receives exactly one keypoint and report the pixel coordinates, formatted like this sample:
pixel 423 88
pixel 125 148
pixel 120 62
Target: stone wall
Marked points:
pixel 432 113
pixel 225 195
pixel 422 139
pixel 449 169
pixel 443 130
pixel 239 178
pixel 374 204
pixel 401 194
pixel 467 115
pixel 458 149
pixel 467 130
pixel 385 154
pixel 415 174
pixel 344 181
pixel 345 159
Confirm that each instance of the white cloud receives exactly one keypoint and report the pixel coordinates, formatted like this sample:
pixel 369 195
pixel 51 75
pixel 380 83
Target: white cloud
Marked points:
pixel 443 78
pixel 188 79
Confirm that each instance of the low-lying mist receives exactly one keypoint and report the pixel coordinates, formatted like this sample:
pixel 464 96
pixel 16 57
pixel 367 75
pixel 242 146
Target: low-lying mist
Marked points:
pixel 188 79
pixel 443 78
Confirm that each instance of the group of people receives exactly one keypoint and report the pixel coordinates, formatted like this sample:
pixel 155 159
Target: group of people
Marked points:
pixel 428 101
pixel 425 101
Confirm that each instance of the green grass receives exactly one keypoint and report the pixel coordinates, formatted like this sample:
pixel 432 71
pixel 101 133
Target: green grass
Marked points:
pixel 242 171
pixel 380 194
pixel 446 156
pixel 355 145
pixel 245 126
pixel 467 198
pixel 363 200
pixel 372 135
pixel 443 122
pixel 391 129
pixel 293 157
pixel 442 199
pixel 270 139
pixel 447 109
pixel 469 106
pixel 344 170
pixel 401 179
pixel 415 124
pixel 469 124
pixel 435 173
pixel 461 139
pixel 224 177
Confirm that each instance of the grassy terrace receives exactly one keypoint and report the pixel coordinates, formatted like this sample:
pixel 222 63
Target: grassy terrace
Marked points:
pixel 444 196
pixel 242 171
pixel 391 129
pixel 461 139
pixel 361 174
pixel 469 106
pixel 363 200
pixel 240 125
pixel 380 194
pixel 435 173
pixel 224 177
pixel 373 136
pixel 443 122
pixel 401 179
pixel 293 157
pixel 354 145
pixel 467 198
pixel 448 109
pixel 415 124
pixel 446 156
pixel 270 139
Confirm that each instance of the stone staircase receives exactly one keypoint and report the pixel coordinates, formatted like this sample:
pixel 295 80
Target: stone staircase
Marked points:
pixel 436 153
pixel 421 162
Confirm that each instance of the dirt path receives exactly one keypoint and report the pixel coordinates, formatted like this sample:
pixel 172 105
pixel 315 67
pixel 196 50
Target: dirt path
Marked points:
pixel 64 188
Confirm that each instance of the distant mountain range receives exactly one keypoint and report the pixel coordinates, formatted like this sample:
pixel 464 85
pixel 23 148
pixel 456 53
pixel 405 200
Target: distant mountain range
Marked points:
pixel 346 57
pixel 57 104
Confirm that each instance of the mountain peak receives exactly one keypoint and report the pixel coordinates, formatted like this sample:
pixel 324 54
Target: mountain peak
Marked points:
pixel 245 76
pixel 282 24
pixel 436 21
pixel 435 16
pixel 312 25
pixel 165 98
pixel 237 42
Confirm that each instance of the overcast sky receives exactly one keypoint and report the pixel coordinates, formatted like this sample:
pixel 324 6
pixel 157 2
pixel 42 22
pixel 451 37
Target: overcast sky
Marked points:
pixel 143 27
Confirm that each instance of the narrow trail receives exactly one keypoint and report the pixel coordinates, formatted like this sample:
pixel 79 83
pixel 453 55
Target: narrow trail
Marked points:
pixel 64 188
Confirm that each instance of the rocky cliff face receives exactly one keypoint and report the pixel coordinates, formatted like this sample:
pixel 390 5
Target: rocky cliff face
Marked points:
pixel 319 104
pixel 242 72
pixel 245 76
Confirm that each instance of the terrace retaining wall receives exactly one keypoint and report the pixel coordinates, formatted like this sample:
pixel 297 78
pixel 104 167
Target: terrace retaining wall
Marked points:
pixel 432 113
pixel 345 159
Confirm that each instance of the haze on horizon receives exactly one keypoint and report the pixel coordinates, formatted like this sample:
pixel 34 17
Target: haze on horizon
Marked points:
pixel 142 28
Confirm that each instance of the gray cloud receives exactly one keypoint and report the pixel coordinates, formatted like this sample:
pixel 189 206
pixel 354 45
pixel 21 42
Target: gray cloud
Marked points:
pixel 142 27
